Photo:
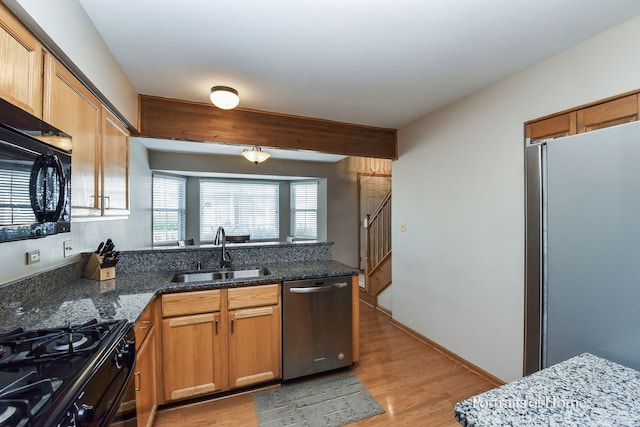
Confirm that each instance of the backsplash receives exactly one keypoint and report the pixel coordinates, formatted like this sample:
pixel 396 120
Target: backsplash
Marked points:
pixel 32 290
pixel 208 256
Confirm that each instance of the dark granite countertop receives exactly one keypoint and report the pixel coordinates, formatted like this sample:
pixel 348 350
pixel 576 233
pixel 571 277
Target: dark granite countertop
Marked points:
pixel 583 391
pixel 60 302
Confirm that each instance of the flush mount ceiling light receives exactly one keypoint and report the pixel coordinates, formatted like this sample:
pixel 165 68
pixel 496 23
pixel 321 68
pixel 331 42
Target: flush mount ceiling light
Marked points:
pixel 224 97
pixel 255 155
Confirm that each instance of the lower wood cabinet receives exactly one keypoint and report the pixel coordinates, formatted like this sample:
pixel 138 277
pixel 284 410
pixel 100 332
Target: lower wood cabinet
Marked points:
pixel 191 355
pixel 146 381
pixel 217 340
pixel 255 335
pixel 146 370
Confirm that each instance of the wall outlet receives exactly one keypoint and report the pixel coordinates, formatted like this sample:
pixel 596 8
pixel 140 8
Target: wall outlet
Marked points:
pixel 33 257
pixel 68 249
pixel 403 227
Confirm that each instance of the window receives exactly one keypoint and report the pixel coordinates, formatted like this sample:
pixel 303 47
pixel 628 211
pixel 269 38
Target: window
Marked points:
pixel 13 183
pixel 304 209
pixel 241 207
pixel 168 209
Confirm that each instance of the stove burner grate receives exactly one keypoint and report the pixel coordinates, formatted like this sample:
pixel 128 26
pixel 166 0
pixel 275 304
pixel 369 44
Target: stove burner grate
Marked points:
pixel 21 347
pixel 68 342
pixel 6 412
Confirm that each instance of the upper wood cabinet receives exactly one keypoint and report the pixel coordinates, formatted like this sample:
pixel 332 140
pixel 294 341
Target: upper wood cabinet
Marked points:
pixel 69 106
pixel 21 70
pixel 100 156
pixel 553 127
pixel 115 166
pixel 613 111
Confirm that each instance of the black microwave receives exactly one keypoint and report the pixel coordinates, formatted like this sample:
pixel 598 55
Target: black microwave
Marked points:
pixel 35 176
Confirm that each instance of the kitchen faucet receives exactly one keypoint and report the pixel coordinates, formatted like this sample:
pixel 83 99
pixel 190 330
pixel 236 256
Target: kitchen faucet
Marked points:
pixel 220 239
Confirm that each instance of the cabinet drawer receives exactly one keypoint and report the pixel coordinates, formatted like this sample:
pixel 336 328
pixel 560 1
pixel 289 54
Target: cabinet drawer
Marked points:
pixel 184 303
pixel 254 296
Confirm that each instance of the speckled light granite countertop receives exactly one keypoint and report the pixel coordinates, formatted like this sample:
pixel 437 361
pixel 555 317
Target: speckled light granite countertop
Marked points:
pixel 58 302
pixel 583 391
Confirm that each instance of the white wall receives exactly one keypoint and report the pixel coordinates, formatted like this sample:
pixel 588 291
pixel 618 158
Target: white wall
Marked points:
pixel 458 270
pixel 129 233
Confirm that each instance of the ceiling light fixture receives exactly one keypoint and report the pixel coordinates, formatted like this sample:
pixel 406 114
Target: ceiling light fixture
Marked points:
pixel 224 97
pixel 255 154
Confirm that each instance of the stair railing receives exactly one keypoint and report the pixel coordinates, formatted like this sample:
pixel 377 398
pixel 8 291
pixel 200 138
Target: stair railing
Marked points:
pixel 377 237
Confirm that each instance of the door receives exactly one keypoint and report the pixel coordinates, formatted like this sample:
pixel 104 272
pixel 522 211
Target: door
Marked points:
pixel 591 236
pixel 372 189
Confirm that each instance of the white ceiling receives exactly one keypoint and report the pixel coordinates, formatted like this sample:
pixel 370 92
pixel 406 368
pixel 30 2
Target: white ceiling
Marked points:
pixel 382 63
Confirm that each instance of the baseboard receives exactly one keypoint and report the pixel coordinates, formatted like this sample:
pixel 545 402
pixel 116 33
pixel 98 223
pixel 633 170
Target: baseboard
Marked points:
pixel 383 310
pixel 451 355
pixel 365 296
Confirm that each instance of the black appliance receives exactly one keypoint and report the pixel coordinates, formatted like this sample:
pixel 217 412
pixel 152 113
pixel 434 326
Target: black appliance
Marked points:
pixel 72 376
pixel 35 176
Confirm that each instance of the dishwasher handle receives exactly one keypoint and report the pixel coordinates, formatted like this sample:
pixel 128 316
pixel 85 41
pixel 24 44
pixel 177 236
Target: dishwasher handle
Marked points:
pixel 316 289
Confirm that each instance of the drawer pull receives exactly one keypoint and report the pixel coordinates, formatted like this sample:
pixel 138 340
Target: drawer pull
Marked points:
pixel 145 325
pixel 139 386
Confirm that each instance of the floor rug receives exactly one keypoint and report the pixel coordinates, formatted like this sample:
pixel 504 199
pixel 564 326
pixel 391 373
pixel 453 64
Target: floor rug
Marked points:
pixel 329 402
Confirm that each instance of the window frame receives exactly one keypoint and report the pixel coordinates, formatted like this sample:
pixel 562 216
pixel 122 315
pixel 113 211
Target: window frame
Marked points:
pixel 294 210
pixel 208 236
pixel 181 209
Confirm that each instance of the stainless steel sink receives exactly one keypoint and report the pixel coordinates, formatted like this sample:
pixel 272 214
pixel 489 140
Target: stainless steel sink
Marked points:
pixel 207 276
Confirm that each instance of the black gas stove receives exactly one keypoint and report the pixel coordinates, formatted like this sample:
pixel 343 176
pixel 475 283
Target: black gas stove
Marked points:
pixel 71 376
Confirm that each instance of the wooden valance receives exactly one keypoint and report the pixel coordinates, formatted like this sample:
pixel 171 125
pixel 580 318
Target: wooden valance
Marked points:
pixel 192 121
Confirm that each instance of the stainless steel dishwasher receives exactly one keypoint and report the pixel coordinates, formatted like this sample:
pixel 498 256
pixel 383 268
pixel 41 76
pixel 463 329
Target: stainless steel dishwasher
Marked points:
pixel 316 326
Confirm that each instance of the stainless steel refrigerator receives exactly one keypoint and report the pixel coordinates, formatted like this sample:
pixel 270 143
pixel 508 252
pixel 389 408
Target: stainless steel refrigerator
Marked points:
pixel 583 247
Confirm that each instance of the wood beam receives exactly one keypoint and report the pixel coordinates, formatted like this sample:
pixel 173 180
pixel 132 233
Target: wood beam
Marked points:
pixel 200 122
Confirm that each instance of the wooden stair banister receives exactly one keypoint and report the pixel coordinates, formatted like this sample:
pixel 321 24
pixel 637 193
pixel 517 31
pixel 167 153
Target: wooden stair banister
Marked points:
pixel 378 248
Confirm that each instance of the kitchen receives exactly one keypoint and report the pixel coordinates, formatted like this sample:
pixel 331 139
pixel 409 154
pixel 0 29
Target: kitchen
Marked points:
pixel 470 213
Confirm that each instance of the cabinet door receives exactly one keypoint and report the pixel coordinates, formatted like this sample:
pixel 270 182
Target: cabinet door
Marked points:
pixel 21 59
pixel 192 357
pixel 69 106
pixel 254 345
pixel 115 166
pixel 610 113
pixel 552 127
pixel 146 380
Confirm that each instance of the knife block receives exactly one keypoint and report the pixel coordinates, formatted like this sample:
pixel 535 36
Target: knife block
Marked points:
pixel 95 272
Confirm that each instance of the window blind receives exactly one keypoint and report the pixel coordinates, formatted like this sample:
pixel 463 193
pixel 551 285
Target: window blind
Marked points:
pixel 15 205
pixel 168 209
pixel 304 209
pixel 241 207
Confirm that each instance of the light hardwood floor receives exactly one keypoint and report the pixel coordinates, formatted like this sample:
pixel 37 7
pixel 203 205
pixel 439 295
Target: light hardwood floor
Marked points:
pixel 416 384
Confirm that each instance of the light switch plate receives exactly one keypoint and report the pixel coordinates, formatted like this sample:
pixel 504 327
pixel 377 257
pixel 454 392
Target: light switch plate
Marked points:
pixel 68 249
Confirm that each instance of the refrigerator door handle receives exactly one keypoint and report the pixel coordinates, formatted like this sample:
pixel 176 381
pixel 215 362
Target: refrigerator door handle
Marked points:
pixel 316 289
